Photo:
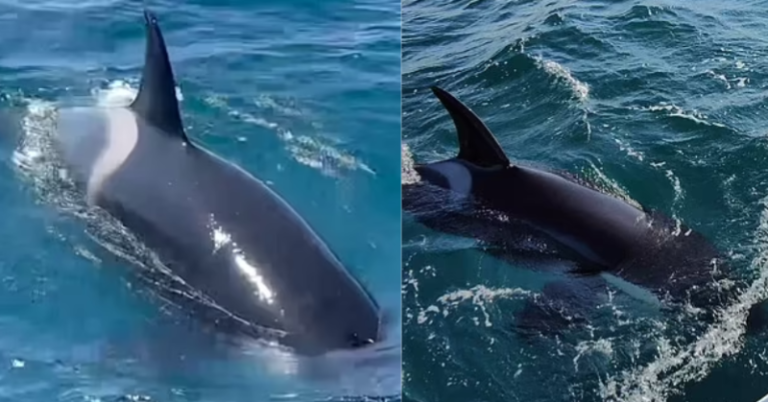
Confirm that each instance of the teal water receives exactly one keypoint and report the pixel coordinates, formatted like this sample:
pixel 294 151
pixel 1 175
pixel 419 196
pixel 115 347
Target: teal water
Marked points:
pixel 303 94
pixel 661 102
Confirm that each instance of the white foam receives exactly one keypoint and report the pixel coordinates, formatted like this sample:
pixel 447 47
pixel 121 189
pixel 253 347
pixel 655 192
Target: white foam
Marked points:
pixel 37 125
pixel 580 89
pixel 118 94
pixel 121 93
pixel 623 146
pixel 676 366
pixel 676 111
pixel 599 346
pixel 479 296
pixel 408 174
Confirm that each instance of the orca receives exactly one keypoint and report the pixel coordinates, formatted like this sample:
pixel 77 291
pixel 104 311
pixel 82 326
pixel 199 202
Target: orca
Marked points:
pixel 508 207
pixel 213 225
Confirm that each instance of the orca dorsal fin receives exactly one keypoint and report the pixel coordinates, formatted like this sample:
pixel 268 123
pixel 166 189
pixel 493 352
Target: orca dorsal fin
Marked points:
pixel 477 144
pixel 156 101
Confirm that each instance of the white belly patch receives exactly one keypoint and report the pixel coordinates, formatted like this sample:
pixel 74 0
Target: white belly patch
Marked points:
pixel 121 138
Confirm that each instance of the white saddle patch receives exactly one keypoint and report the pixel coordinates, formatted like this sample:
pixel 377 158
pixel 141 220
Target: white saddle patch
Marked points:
pixel 458 176
pixel 122 136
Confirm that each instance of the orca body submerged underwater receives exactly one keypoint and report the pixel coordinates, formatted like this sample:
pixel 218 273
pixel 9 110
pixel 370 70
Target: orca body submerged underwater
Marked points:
pixel 502 204
pixel 215 226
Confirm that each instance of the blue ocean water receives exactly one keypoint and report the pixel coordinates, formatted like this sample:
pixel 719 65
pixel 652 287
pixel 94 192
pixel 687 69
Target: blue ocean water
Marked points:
pixel 660 102
pixel 304 94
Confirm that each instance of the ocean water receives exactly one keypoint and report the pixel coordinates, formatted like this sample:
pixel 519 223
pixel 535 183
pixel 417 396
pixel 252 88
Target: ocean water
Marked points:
pixel 660 102
pixel 303 94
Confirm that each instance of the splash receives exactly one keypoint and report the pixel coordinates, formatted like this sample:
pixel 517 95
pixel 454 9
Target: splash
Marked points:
pixel 117 94
pixel 120 93
pixel 408 174
pixel 36 161
pixel 599 346
pixel 676 366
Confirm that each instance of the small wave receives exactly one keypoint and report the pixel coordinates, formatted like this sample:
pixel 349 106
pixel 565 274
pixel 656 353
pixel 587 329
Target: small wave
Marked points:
pixel 738 82
pixel 314 152
pixel 625 147
pixel 672 110
pixel 611 186
pixel 644 12
pixel 580 89
pixel 640 156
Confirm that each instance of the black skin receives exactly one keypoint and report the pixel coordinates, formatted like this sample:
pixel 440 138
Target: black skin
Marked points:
pixel 509 204
pixel 675 268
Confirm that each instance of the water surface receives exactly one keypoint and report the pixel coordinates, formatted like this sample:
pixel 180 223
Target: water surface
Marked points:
pixel 659 102
pixel 305 95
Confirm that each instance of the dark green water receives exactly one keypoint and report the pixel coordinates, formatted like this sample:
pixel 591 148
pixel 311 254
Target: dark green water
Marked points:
pixel 661 102
pixel 303 94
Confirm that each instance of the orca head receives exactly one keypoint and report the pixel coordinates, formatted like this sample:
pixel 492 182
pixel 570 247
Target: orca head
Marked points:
pixel 352 320
pixel 346 317
pixel 285 284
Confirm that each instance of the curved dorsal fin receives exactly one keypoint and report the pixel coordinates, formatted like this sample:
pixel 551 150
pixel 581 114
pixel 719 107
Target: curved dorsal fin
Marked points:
pixel 477 144
pixel 156 101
